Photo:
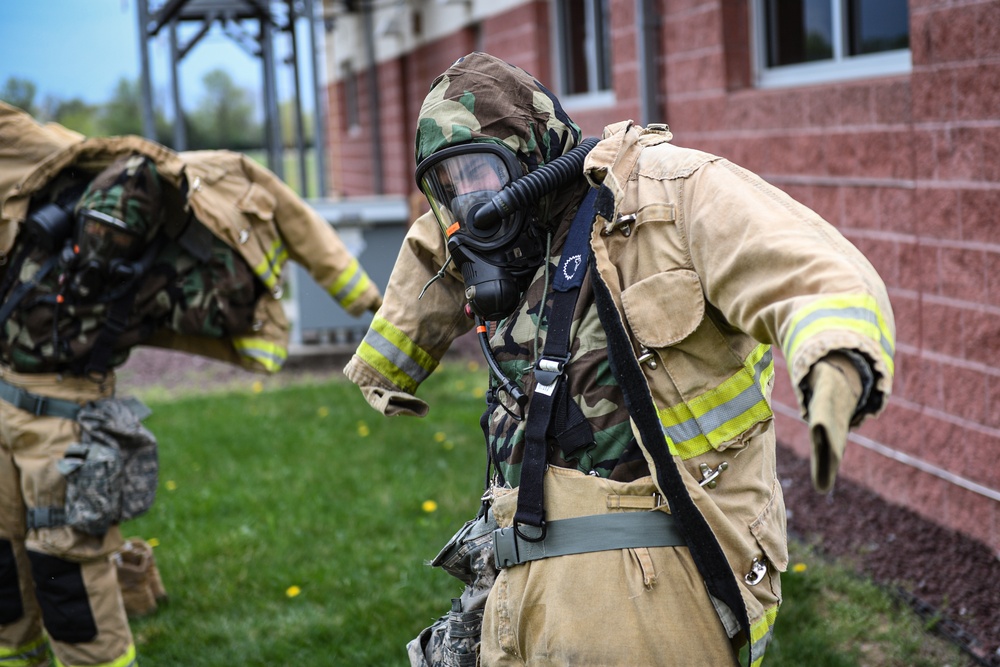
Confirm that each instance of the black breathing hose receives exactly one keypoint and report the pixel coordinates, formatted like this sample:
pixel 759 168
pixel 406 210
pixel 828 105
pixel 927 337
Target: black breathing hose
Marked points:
pixel 528 189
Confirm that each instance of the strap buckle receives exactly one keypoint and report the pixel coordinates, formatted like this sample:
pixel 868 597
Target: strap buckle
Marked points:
pixel 39 409
pixel 547 372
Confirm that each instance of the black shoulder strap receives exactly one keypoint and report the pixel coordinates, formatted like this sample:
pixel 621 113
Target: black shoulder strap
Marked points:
pixel 549 368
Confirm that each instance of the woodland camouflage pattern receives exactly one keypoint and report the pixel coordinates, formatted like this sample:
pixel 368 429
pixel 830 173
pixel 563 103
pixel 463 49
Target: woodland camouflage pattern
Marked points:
pixel 588 382
pixel 463 106
pixel 129 190
pixel 213 298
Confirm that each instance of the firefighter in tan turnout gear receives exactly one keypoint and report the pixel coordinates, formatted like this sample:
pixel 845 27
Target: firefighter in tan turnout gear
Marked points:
pixel 628 295
pixel 106 244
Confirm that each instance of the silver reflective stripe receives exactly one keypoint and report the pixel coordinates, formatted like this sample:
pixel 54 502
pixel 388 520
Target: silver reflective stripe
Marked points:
pixel 721 414
pixel 346 290
pixel 849 313
pixel 396 357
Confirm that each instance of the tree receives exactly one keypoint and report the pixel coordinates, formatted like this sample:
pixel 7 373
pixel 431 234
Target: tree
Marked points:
pixel 224 117
pixel 77 115
pixel 122 114
pixel 20 93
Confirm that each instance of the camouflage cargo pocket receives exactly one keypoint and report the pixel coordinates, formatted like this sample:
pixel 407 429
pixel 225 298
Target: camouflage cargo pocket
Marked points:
pixel 453 640
pixel 93 486
pixel 117 423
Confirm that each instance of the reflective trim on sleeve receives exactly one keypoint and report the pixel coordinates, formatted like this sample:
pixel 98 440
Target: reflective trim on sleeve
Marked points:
pixel 269 268
pixel 350 284
pixel 391 352
pixel 761 634
pixel 264 352
pixel 856 313
pixel 126 660
pixel 26 655
pixel 723 413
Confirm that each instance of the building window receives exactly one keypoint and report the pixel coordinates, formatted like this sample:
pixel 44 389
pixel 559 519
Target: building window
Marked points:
pixel 584 47
pixel 814 41
pixel 352 115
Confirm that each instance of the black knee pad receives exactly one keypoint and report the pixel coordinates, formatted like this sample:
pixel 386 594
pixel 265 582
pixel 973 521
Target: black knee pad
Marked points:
pixel 11 604
pixel 63 598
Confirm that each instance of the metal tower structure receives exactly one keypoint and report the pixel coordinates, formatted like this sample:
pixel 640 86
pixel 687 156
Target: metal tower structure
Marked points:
pixel 254 25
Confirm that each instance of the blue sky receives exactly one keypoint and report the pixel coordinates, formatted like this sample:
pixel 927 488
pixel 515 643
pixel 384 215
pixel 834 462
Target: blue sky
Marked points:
pixel 81 48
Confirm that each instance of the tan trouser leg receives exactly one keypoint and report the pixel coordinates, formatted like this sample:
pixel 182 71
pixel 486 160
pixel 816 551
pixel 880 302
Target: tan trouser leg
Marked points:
pixel 30 448
pixel 644 606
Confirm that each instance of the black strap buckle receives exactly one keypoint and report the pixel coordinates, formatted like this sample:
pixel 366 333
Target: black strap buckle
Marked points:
pixel 548 369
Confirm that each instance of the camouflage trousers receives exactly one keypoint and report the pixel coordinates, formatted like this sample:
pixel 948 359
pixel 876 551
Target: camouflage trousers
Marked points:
pixel 641 606
pixel 55 582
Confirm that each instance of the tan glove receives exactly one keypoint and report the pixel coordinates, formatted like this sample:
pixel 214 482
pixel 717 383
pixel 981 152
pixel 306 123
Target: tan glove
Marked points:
pixel 836 388
pixel 380 394
pixel 391 402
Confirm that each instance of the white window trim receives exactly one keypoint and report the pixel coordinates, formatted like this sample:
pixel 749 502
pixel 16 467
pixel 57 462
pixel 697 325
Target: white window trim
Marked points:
pixel 840 68
pixel 593 98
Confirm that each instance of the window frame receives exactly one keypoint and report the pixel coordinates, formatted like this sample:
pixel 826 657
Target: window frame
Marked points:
pixel 597 49
pixel 841 67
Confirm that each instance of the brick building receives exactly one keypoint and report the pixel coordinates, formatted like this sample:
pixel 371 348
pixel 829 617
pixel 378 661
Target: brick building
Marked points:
pixel 882 115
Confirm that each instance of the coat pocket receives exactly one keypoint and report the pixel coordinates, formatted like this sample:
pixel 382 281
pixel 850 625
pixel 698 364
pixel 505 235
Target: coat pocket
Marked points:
pixel 664 308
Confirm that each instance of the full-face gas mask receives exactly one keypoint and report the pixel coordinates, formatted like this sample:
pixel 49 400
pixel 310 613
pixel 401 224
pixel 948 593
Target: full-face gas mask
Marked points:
pixel 484 200
pixel 496 257
pixel 105 251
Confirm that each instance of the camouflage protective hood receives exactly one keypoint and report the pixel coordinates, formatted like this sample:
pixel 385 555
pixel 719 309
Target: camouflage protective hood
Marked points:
pixel 482 98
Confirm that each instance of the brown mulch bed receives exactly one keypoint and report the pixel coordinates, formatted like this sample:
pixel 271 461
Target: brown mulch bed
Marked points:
pixel 951 580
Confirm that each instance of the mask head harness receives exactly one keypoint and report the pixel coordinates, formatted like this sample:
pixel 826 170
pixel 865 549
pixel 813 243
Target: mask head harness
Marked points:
pixel 483 199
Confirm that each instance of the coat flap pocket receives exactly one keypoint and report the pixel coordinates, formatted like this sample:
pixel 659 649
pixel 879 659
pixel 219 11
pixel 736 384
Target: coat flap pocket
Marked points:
pixel 665 308
pixel 258 202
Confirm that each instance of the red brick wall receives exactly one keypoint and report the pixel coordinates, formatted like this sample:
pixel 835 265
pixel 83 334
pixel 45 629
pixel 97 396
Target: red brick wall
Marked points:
pixel 906 167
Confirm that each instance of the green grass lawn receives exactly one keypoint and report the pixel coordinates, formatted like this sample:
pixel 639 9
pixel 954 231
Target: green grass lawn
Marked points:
pixel 294 523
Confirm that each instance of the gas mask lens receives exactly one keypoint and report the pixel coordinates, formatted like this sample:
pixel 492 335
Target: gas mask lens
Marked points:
pixel 457 181
pixel 103 242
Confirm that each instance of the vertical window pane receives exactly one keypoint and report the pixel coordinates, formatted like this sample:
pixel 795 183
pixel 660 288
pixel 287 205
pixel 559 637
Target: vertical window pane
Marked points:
pixel 878 25
pixel 586 46
pixel 798 31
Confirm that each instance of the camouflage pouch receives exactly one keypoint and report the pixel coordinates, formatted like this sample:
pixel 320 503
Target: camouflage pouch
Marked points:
pixel 111 474
pixel 453 640
pixel 93 486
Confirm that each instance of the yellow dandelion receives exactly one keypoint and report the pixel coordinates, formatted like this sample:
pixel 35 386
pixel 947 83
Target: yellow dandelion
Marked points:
pixel 473 366
pixel 439 436
pixel 257 386
pixel 449 445
pixel 363 430
pixel 292 591
pixel 153 542
pixel 478 392
pixel 799 567
pixel 460 385
pixel 429 506
pixel 171 485
pixel 323 411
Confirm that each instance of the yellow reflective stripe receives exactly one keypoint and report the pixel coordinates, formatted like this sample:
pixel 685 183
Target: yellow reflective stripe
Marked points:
pixel 267 354
pixel 719 415
pixel 26 655
pixel 350 284
pixel 269 268
pixel 854 312
pixel 761 634
pixel 127 660
pixel 391 352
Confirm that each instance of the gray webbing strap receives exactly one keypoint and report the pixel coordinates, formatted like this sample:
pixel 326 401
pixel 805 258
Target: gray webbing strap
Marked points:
pixel 599 532
pixel 45 517
pixel 40 406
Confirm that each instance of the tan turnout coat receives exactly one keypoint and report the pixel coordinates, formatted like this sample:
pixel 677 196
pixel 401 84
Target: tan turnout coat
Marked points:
pixel 240 202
